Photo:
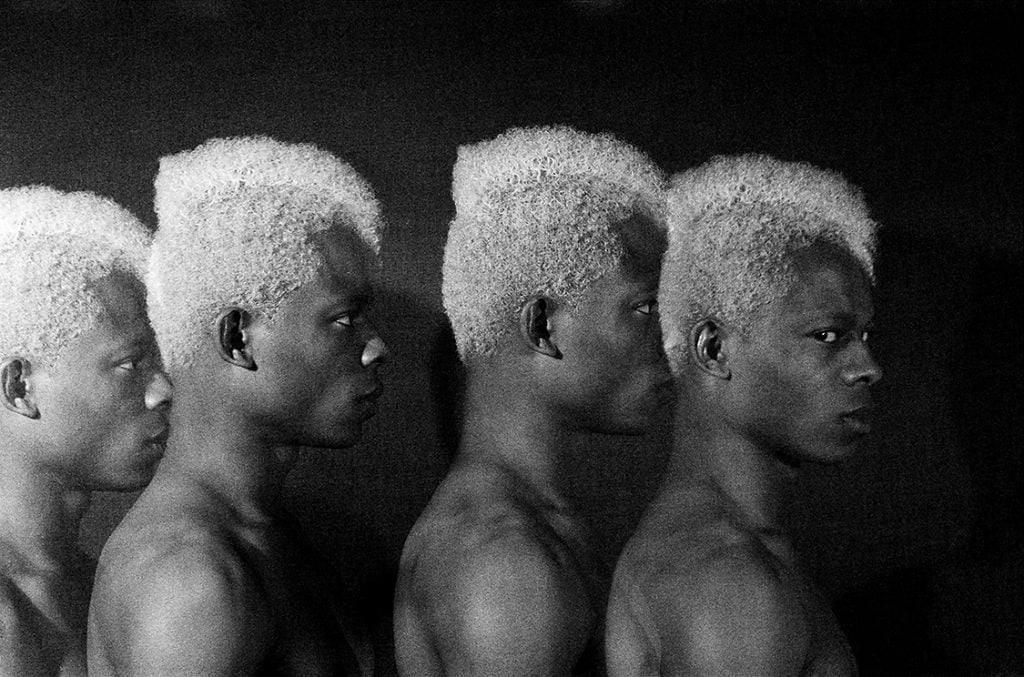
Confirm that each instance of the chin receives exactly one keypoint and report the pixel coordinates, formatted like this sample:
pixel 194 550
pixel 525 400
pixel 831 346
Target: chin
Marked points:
pixel 135 480
pixel 632 427
pixel 335 439
pixel 832 454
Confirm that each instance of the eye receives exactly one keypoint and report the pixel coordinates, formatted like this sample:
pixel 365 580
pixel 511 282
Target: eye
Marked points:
pixel 647 308
pixel 826 336
pixel 350 318
pixel 128 365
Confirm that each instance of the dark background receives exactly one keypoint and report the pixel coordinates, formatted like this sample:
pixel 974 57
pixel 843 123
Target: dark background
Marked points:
pixel 918 541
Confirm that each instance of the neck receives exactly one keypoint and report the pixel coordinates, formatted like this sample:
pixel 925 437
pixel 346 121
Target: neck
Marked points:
pixel 709 456
pixel 40 513
pixel 224 452
pixel 507 425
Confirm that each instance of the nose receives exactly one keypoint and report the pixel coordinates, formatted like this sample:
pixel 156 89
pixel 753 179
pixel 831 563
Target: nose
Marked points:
pixel 863 369
pixel 158 390
pixel 375 350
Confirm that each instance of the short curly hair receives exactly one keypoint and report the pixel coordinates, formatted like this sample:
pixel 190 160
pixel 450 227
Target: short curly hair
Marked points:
pixel 534 214
pixel 235 217
pixel 733 222
pixel 54 246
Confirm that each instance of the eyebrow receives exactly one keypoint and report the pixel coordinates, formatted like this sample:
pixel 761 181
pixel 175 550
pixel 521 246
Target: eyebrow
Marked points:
pixel 347 301
pixel 842 317
pixel 137 341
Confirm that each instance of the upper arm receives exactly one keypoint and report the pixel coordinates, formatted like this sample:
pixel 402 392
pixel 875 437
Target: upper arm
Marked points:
pixel 193 612
pixel 514 611
pixel 631 637
pixel 733 617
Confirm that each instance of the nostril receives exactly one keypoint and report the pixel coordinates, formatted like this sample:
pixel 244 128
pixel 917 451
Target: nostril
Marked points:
pixel 159 392
pixel 375 351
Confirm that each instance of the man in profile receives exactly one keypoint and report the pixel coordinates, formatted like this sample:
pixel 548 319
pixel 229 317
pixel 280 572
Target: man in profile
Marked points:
pixel 260 283
pixel 550 278
pixel 765 308
pixel 84 405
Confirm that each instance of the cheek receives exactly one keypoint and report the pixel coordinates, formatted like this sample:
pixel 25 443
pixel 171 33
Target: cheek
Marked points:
pixel 773 391
pixel 636 343
pixel 796 392
pixel 106 415
pixel 306 377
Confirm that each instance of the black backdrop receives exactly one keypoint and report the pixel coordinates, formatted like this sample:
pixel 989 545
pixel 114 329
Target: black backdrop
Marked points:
pixel 918 541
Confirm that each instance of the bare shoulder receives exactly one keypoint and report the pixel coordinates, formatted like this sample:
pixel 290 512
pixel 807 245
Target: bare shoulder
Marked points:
pixel 496 587
pixel 523 611
pixel 178 599
pixel 470 507
pixel 728 609
pixel 475 523
pixel 657 582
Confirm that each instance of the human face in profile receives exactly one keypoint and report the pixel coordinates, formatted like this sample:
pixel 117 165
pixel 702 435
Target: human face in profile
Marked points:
pixel 801 376
pixel 103 403
pixel 614 372
pixel 318 359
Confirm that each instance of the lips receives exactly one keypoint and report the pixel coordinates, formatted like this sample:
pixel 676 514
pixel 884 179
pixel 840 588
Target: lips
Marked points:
pixel 368 401
pixel 159 438
pixel 859 420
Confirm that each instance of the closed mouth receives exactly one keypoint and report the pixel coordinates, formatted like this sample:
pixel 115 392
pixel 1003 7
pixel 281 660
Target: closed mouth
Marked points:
pixel 160 438
pixel 859 419
pixel 369 402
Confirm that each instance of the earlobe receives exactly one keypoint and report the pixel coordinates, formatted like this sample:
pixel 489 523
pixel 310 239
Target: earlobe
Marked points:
pixel 233 338
pixel 707 348
pixel 14 373
pixel 535 329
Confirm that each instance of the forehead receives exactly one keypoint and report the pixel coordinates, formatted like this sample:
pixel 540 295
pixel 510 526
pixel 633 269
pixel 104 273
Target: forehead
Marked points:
pixel 827 279
pixel 620 285
pixel 123 298
pixel 643 243
pixel 348 261
pixel 122 324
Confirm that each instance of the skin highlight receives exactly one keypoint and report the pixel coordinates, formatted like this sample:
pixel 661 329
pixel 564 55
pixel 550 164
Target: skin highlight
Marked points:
pixel 709 584
pixel 208 573
pixel 94 420
pixel 498 575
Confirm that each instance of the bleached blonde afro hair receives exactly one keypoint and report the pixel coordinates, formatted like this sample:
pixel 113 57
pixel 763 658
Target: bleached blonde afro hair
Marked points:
pixel 235 218
pixel 733 224
pixel 534 210
pixel 53 247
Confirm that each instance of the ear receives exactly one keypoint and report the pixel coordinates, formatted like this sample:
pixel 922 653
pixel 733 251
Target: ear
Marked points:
pixel 708 348
pixel 14 372
pixel 233 338
pixel 535 327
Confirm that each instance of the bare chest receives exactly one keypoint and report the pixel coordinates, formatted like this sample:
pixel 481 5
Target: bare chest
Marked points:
pixel 568 538
pixel 310 631
pixel 828 652
pixel 49 632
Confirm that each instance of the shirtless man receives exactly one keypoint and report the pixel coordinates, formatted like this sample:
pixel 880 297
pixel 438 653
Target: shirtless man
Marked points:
pixel 84 405
pixel 765 308
pixel 550 279
pixel 259 286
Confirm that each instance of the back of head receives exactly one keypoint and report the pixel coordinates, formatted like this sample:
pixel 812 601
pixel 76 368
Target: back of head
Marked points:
pixel 53 247
pixel 235 220
pixel 733 223
pixel 535 210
